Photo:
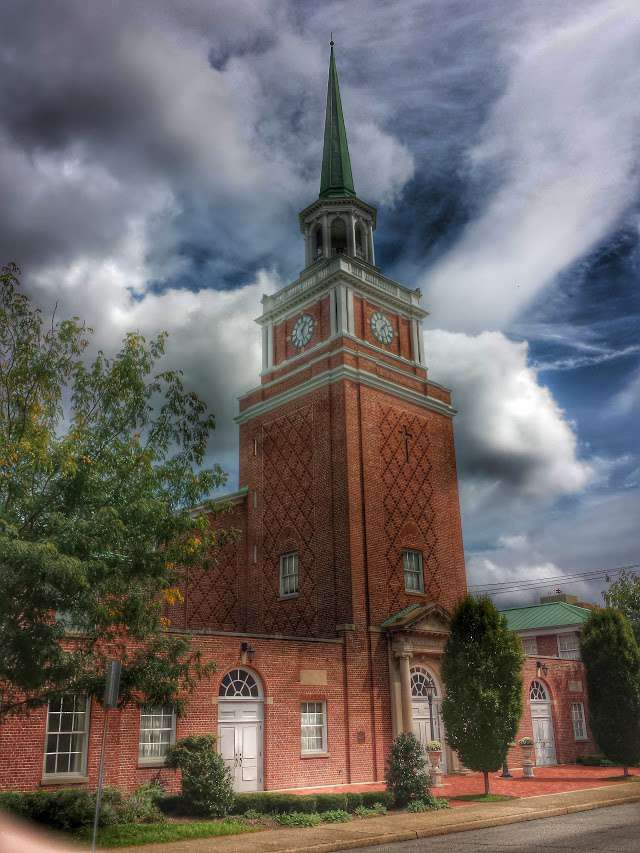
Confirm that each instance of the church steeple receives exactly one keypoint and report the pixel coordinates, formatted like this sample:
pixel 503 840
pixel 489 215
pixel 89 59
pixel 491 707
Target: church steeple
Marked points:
pixel 336 180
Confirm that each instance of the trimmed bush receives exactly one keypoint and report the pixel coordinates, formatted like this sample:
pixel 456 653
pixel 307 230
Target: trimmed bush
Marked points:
pixel 371 799
pixel 206 779
pixel 66 808
pixel 266 802
pixel 331 802
pixel 406 773
pixel 354 801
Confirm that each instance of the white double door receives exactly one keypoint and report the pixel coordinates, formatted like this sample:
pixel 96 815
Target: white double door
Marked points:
pixel 240 742
pixel 422 726
pixel 543 736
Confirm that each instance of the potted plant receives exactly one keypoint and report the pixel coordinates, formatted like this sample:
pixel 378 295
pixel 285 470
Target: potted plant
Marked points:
pixel 526 744
pixel 434 748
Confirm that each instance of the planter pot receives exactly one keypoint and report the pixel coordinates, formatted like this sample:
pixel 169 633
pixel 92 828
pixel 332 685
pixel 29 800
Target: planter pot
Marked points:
pixel 435 757
pixel 527 763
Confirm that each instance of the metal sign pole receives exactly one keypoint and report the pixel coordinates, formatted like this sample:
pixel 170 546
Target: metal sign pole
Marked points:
pixel 111 689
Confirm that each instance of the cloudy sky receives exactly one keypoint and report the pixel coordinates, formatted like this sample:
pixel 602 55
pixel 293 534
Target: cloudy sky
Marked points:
pixel 154 156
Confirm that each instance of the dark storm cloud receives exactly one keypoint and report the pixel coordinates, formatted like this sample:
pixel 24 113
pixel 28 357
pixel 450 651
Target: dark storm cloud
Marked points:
pixel 154 156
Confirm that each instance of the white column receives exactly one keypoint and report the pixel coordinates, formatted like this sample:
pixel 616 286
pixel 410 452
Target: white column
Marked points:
pixel 351 236
pixel 405 689
pixel 307 246
pixel 372 254
pixel 341 309
pixel 351 326
pixel 265 347
pixel 333 299
pixel 423 360
pixel 415 346
pixel 326 251
pixel 269 346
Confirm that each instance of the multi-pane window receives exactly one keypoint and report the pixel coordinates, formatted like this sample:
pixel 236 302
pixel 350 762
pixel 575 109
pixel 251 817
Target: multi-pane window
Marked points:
pixel 67 731
pixel 569 646
pixel 413 572
pixel 579 724
pixel 313 727
pixel 530 645
pixel 157 733
pixel 289 574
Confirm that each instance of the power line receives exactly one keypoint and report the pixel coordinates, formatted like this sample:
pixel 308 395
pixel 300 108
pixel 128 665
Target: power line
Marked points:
pixel 514 585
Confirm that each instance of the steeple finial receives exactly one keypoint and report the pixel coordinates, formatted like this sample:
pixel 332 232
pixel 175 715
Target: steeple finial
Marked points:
pixel 336 180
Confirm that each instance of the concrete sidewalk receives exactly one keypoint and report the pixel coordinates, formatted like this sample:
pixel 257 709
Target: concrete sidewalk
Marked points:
pixel 404 826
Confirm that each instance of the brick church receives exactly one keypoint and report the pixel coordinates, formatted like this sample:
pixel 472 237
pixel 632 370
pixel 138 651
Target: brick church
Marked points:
pixel 327 619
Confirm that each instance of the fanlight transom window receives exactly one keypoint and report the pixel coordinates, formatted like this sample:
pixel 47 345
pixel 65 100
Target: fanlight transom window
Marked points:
pixel 239 684
pixel 420 681
pixel 537 692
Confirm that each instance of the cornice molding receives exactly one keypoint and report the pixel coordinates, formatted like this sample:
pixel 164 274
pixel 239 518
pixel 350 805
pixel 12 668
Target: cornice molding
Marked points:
pixel 361 277
pixel 353 374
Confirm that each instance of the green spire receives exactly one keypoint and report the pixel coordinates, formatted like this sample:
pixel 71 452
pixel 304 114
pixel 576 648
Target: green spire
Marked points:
pixel 336 180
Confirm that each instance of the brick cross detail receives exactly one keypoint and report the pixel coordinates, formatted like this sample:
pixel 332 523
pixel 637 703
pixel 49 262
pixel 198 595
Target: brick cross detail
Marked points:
pixel 407 435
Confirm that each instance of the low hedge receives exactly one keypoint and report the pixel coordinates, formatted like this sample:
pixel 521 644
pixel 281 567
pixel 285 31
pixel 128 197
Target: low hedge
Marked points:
pixel 266 802
pixel 74 808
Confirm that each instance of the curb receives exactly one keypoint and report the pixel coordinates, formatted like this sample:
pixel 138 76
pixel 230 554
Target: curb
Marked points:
pixel 462 826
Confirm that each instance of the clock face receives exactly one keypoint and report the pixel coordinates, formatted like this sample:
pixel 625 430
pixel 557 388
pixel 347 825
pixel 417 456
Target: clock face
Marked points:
pixel 381 327
pixel 302 331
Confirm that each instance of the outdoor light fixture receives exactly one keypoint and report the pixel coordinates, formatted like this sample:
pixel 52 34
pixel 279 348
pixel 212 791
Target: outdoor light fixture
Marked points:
pixel 247 652
pixel 541 669
pixel 430 690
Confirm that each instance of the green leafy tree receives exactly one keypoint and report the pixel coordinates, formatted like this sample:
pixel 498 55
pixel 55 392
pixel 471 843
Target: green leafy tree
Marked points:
pixel 624 595
pixel 406 774
pixel 482 672
pixel 100 463
pixel 206 780
pixel 611 657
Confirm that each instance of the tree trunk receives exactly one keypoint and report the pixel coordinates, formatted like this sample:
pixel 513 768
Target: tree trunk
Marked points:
pixel 486 782
pixel 626 770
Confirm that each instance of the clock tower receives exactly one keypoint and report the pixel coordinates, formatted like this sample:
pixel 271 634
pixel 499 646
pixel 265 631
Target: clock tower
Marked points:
pixel 346 446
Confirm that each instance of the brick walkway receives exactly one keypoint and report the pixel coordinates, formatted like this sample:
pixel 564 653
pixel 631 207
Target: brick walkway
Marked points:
pixel 547 780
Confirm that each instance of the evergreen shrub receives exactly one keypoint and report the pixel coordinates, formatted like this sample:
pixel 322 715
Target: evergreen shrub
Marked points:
pixel 406 773
pixel 206 779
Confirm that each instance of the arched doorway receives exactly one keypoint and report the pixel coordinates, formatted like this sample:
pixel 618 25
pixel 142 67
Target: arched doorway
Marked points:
pixel 427 716
pixel 542 723
pixel 240 724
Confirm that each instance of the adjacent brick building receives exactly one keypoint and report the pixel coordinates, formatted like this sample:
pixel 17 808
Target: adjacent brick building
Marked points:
pixel 555 698
pixel 327 619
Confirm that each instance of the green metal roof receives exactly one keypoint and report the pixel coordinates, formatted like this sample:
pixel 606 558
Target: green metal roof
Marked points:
pixel 399 615
pixel 336 180
pixel 555 615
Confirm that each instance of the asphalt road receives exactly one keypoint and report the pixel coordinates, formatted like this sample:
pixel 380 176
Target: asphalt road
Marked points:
pixel 608 830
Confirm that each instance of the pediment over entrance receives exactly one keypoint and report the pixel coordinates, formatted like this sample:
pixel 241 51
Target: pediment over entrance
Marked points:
pixel 419 619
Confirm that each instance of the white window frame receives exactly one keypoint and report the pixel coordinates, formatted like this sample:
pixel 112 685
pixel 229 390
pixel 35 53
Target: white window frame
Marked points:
pixel 413 567
pixel 83 702
pixel 306 708
pixel 530 646
pixel 572 646
pixel 579 721
pixel 151 711
pixel 289 580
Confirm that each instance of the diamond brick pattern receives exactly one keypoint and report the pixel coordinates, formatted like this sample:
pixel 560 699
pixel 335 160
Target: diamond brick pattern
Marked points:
pixel 288 519
pixel 407 497
pixel 213 595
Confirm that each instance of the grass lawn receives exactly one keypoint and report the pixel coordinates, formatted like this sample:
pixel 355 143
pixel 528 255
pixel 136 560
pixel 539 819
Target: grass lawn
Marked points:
pixel 484 798
pixel 123 835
